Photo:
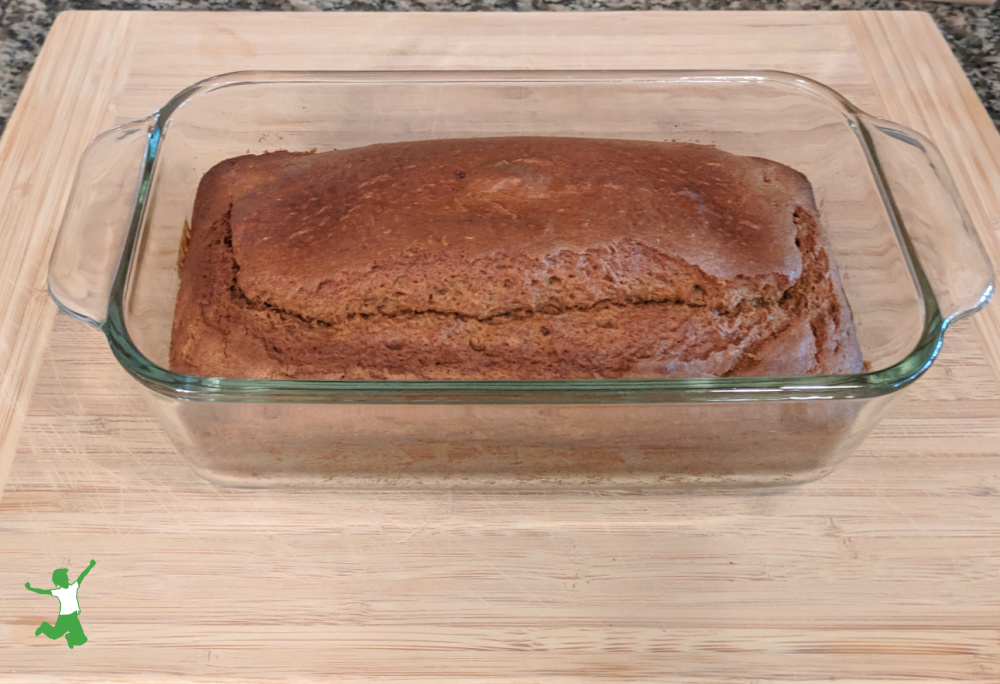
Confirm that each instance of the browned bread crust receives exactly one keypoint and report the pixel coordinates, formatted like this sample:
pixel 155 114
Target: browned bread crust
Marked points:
pixel 509 258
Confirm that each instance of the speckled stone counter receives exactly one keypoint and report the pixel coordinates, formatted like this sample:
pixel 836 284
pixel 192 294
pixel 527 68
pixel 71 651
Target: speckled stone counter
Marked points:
pixel 973 31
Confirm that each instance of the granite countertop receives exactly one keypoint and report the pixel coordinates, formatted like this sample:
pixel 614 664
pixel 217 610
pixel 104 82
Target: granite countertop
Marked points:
pixel 972 31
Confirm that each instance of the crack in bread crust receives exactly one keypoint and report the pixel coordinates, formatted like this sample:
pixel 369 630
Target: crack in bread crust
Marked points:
pixel 559 282
pixel 345 347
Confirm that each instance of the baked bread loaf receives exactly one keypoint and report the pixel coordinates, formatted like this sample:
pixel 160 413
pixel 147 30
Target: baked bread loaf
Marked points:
pixel 509 258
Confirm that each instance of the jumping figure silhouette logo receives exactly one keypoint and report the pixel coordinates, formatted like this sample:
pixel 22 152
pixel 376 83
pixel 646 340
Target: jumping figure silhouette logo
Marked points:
pixel 68 622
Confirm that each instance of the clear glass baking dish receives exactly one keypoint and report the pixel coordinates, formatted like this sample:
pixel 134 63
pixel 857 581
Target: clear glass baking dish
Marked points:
pixel 909 257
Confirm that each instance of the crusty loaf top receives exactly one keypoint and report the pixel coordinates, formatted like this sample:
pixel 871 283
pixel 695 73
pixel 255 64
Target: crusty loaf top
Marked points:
pixel 489 227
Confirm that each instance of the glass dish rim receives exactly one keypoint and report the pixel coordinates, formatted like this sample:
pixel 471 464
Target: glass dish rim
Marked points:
pixel 854 386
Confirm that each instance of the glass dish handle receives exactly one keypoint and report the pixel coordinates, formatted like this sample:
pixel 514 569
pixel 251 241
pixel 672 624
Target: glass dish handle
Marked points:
pixel 97 220
pixel 937 224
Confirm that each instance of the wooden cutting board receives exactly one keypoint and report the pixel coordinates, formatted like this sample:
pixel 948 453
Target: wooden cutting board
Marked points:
pixel 887 569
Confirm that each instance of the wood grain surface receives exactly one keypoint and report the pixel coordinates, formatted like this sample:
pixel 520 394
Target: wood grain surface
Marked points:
pixel 889 569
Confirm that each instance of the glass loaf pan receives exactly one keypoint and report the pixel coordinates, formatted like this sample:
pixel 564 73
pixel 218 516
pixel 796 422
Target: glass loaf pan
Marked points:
pixel 909 257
